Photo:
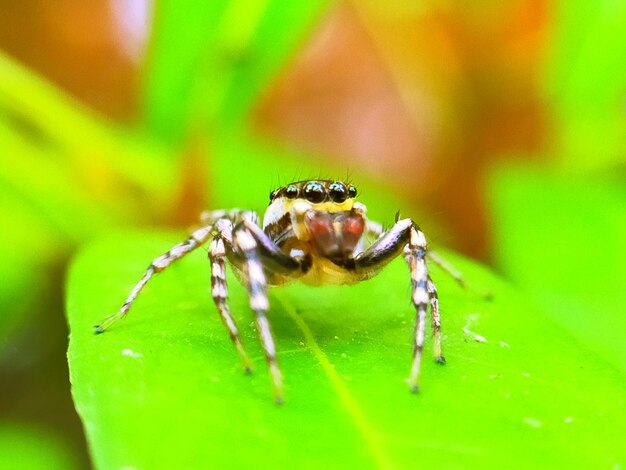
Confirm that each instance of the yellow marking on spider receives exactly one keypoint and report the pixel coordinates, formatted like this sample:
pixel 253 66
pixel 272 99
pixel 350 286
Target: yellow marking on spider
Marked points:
pixel 327 206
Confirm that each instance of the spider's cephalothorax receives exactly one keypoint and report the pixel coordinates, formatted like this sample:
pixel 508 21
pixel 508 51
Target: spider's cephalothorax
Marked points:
pixel 315 232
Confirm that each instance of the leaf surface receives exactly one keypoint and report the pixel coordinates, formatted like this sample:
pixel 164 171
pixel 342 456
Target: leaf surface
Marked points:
pixel 164 388
pixel 561 238
pixel 584 83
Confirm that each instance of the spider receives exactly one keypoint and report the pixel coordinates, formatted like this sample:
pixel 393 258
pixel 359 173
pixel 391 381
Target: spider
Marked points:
pixel 314 232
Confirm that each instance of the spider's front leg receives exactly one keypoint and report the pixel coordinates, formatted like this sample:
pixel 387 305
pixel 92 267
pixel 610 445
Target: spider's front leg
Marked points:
pixel 405 237
pixel 261 257
pixel 415 256
pixel 197 238
pixel 256 285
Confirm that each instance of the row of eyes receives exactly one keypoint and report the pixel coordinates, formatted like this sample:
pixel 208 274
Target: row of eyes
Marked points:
pixel 315 192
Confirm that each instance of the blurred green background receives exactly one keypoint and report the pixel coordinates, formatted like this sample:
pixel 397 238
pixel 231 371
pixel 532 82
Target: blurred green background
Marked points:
pixel 500 126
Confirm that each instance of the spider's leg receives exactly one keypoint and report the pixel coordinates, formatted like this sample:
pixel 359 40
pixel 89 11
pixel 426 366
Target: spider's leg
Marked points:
pixel 373 229
pixel 196 239
pixel 232 215
pixel 404 235
pixel 415 255
pixel 436 320
pixel 256 285
pixel 456 274
pixel 447 267
pixel 386 248
pixel 219 292
pixel 271 256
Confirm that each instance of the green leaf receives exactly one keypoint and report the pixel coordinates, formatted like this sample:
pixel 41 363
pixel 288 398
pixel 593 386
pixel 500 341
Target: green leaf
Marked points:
pixel 165 389
pixel 209 61
pixel 40 120
pixel 67 175
pixel 562 239
pixel 262 167
pixel 585 82
pixel 26 448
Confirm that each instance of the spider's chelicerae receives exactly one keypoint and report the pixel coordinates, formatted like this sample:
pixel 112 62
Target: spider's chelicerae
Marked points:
pixel 314 232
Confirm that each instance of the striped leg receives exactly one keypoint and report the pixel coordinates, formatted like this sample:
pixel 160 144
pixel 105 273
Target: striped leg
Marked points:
pixel 406 235
pixel 436 320
pixel 219 292
pixel 257 290
pixel 196 239
pixel 415 255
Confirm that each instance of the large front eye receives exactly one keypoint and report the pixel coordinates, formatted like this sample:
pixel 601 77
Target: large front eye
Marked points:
pixel 337 192
pixel 314 192
pixel 291 192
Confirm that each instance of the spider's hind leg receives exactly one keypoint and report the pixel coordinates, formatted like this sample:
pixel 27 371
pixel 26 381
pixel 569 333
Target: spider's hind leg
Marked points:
pixel 435 320
pixel 455 274
pixel 219 292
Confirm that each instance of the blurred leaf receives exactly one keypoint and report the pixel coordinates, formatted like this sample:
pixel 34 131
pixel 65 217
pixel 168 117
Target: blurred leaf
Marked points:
pixel 209 61
pixel 281 29
pixel 252 168
pixel 65 176
pixel 182 39
pixel 586 82
pixel 562 239
pixel 40 119
pixel 26 240
pixel 164 388
pixel 47 189
pixel 28 448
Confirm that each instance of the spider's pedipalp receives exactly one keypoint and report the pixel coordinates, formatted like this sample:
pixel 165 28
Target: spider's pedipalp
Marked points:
pixel 256 284
pixel 197 238
pixel 373 229
pixel 219 292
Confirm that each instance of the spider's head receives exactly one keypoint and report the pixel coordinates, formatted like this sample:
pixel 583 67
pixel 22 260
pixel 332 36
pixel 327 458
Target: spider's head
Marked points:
pixel 320 211
pixel 317 195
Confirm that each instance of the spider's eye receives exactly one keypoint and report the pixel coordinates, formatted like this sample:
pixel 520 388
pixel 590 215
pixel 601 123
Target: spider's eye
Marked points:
pixel 273 194
pixel 314 192
pixel 291 192
pixel 337 192
pixel 351 191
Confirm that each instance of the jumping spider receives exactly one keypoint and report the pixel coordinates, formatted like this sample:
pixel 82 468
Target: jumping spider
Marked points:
pixel 314 232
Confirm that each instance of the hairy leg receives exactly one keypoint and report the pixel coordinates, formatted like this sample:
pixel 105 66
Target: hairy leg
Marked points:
pixel 197 238
pixel 435 320
pixel 256 285
pixel 219 292
pixel 405 237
